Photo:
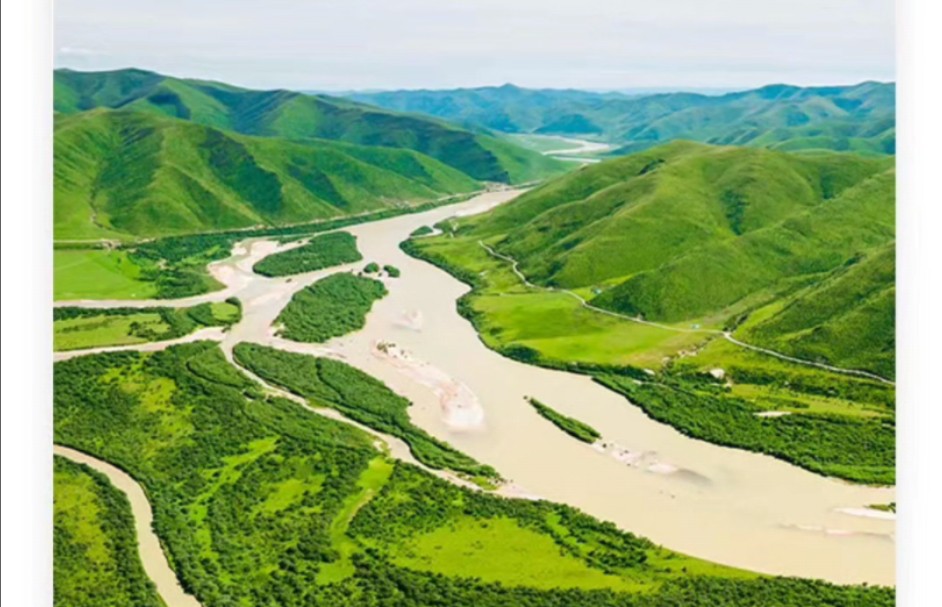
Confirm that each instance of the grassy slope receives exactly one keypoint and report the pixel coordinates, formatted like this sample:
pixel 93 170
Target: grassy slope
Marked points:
pixel 274 503
pixel 856 118
pixel 121 173
pixel 294 115
pixel 797 250
pixel 692 234
pixel 96 562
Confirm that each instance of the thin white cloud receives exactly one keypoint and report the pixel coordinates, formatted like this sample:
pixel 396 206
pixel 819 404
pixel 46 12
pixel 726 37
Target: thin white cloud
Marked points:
pixel 321 44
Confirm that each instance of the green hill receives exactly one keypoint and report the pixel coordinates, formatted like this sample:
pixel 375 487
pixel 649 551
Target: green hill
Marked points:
pixel 859 118
pixel 120 173
pixel 686 229
pixel 790 253
pixel 299 116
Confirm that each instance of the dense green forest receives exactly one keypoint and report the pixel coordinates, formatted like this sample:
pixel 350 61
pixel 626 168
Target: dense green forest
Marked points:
pixel 859 118
pixel 319 252
pixel 95 558
pixel 76 328
pixel 331 383
pixel 569 425
pixel 260 502
pixel 331 307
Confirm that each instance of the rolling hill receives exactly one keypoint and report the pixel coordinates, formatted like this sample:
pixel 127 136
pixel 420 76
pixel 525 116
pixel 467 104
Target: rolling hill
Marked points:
pixel 121 173
pixel 687 231
pixel 858 118
pixel 297 116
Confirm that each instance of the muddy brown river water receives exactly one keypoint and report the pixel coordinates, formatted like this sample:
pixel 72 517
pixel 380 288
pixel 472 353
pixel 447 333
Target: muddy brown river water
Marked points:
pixel 726 505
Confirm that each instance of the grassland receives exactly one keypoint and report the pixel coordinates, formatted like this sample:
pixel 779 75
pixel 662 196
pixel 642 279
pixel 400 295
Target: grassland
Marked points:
pixel 319 252
pixel 330 307
pixel 569 425
pixel 259 501
pixel 98 274
pixel 96 562
pixel 80 328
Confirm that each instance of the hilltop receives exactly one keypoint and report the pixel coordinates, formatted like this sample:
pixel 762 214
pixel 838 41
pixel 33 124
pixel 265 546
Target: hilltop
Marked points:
pixel 858 118
pixel 297 116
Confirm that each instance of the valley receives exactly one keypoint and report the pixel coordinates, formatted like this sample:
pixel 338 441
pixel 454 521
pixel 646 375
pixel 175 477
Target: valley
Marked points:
pixel 474 347
pixel 699 498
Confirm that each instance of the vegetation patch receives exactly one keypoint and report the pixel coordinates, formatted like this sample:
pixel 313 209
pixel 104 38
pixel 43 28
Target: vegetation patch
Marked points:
pixel 96 561
pixel 81 328
pixel 329 382
pixel 320 252
pixel 330 307
pixel 572 427
pixel 392 271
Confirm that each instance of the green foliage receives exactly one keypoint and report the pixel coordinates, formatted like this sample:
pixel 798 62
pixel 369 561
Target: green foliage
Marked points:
pixel 96 562
pixel 861 450
pixel 686 233
pixel 371 268
pixel 569 425
pixel 329 382
pixel 330 307
pixel 858 118
pixel 122 174
pixel 259 502
pixel 392 271
pixel 413 147
pixel 422 231
pixel 78 328
pixel 320 252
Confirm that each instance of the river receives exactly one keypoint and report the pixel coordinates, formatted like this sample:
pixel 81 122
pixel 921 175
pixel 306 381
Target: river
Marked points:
pixel 726 505
pixel 152 555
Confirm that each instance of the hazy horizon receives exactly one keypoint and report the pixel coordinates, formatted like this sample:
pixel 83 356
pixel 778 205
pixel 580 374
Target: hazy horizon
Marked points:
pixel 599 45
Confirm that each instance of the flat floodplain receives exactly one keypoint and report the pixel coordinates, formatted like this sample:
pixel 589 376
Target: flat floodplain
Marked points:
pixel 97 274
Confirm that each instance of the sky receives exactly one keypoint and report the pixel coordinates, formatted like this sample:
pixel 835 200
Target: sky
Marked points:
pixel 336 45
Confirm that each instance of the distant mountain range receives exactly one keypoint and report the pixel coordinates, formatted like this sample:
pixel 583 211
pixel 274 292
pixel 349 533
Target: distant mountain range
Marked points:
pixel 859 118
pixel 142 154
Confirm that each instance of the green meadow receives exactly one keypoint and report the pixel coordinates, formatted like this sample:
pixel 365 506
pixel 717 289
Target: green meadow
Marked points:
pixel 98 274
